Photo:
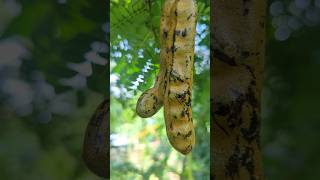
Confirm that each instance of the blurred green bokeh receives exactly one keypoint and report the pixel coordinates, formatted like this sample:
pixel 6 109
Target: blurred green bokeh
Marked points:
pixel 291 99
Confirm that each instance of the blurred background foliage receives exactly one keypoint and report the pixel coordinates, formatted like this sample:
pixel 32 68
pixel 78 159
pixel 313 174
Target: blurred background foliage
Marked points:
pixel 53 75
pixel 139 147
pixel 291 99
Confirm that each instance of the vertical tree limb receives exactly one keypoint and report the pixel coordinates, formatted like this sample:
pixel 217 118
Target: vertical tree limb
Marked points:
pixel 237 53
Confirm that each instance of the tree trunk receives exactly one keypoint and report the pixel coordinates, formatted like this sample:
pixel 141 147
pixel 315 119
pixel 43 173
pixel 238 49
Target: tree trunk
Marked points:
pixel 238 50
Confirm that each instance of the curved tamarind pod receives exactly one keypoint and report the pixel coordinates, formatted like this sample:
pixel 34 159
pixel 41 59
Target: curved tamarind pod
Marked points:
pixel 96 142
pixel 152 99
pixel 177 100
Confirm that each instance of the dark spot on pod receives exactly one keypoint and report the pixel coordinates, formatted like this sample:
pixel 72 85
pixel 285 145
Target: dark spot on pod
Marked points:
pixel 176 12
pixel 181 97
pixel 155 99
pixel 221 109
pixel 189 16
pixel 175 117
pixel 224 57
pixel 252 132
pixel 189 92
pixel 165 84
pixel 245 54
pixel 253 82
pixel 184 33
pixel 251 97
pixel 188 103
pixel 245 12
pixel 173 49
pixel 232 167
pixel 179 79
pixel 188 134
pixel 247 161
pixel 251 70
pixel 179 134
pixel 171 128
pixel 188 149
pixel 187 112
pixel 182 114
pixel 175 76
pixel 165 33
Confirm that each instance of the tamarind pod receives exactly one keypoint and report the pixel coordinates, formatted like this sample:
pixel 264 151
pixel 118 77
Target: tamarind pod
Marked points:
pixel 149 103
pixel 96 141
pixel 151 100
pixel 177 99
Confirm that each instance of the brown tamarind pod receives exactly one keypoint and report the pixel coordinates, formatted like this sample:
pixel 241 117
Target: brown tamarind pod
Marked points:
pixel 151 100
pixel 96 141
pixel 178 89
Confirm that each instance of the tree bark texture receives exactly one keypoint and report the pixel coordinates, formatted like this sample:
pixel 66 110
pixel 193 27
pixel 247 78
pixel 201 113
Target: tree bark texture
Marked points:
pixel 237 53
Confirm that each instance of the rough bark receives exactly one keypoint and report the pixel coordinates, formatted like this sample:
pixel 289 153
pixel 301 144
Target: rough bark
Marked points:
pixel 237 50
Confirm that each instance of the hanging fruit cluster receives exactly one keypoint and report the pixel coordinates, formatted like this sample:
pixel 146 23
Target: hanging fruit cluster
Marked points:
pixel 173 86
